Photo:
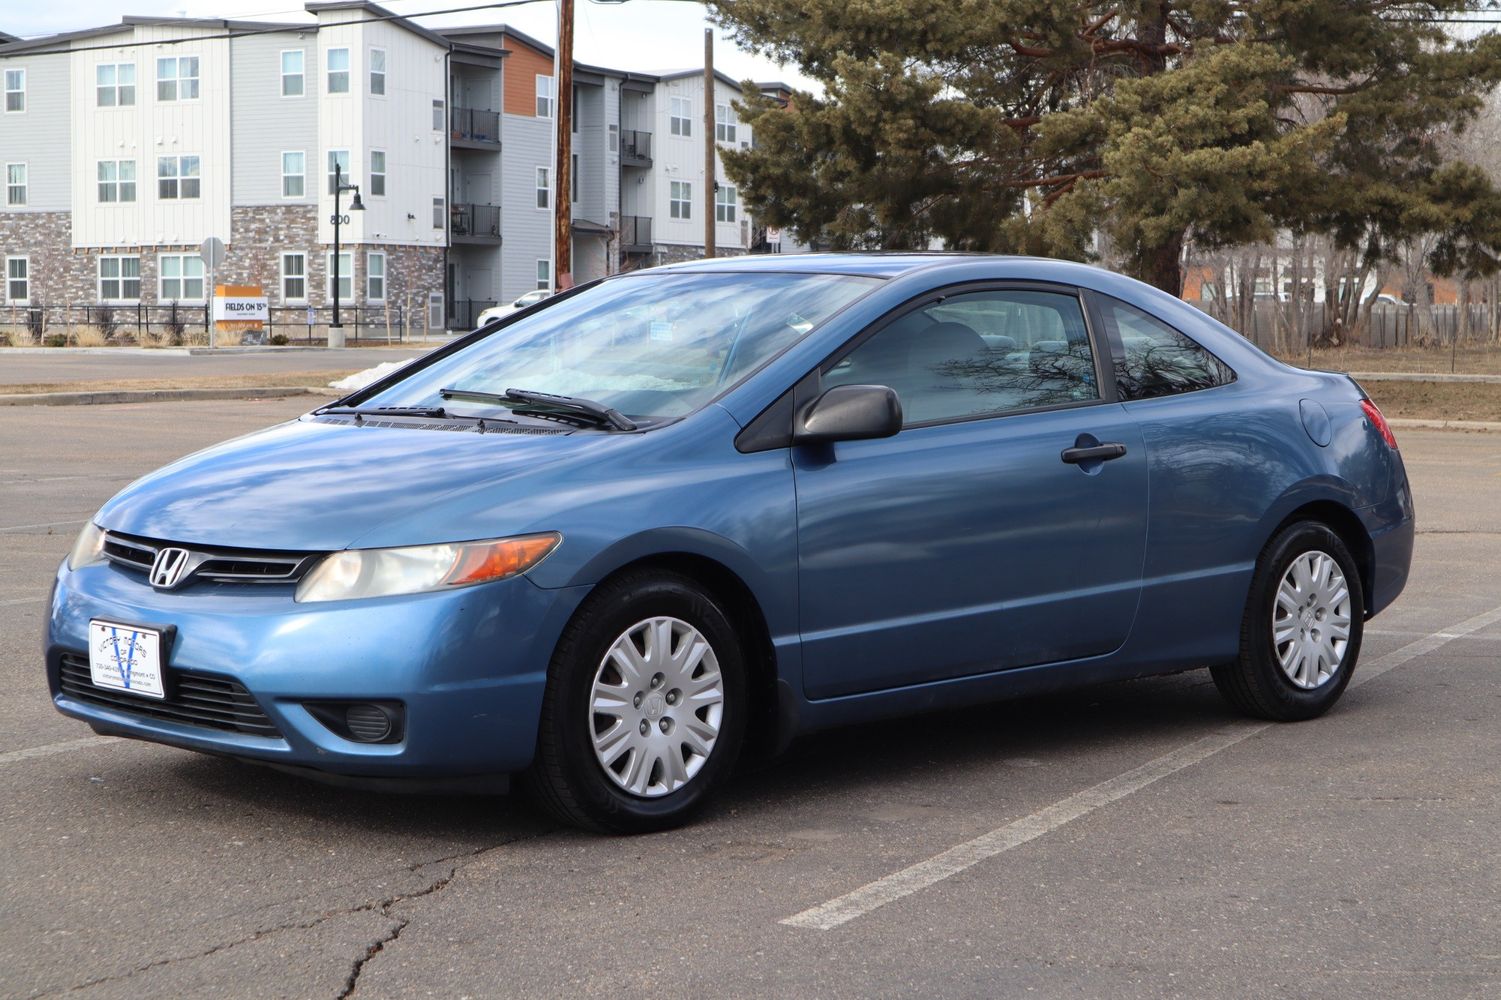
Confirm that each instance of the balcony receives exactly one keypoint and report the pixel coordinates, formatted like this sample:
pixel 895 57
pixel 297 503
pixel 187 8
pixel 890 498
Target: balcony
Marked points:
pixel 635 234
pixel 477 224
pixel 474 129
pixel 635 148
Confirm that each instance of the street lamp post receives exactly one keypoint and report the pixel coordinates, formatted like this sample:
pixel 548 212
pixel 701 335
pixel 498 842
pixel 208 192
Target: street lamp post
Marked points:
pixel 355 205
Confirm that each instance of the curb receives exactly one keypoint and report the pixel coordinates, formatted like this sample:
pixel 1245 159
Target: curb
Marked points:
pixel 1422 377
pixel 1417 423
pixel 157 395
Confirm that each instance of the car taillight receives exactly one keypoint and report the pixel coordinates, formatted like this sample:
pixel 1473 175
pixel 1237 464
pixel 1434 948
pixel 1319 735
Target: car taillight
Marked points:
pixel 1373 414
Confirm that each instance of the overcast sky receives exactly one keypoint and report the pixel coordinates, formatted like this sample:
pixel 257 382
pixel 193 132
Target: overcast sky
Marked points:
pixel 641 34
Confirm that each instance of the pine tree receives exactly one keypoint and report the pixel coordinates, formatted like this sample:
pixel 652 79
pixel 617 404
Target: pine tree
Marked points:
pixel 1033 125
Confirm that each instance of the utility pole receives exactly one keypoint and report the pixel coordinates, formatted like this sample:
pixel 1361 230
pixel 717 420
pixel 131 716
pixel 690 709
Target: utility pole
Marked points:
pixel 709 144
pixel 562 200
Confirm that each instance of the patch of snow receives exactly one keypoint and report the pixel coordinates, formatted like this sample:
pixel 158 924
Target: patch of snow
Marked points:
pixel 361 379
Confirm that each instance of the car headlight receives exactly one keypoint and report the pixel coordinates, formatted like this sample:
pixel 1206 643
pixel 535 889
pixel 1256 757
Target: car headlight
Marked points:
pixel 89 548
pixel 356 573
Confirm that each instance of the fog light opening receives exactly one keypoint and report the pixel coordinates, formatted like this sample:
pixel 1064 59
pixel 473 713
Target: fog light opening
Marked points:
pixel 368 723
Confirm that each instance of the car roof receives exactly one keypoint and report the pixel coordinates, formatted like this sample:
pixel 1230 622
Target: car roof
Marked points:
pixel 875 264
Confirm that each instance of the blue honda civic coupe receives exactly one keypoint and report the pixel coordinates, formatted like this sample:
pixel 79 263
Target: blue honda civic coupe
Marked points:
pixel 612 540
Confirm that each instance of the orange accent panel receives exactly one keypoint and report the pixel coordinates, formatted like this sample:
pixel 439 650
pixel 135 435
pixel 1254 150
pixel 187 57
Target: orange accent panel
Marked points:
pixel 521 69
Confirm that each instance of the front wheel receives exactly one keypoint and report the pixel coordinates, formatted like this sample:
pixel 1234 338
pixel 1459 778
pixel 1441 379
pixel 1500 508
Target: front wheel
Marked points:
pixel 1300 637
pixel 644 710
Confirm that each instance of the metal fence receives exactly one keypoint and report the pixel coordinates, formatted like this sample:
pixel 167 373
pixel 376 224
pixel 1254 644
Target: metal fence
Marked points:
pixel 173 324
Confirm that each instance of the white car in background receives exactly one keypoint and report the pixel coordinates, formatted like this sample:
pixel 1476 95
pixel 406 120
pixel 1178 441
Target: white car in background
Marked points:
pixel 497 312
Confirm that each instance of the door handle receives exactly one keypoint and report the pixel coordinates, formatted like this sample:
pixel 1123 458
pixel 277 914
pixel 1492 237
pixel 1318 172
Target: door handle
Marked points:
pixel 1094 453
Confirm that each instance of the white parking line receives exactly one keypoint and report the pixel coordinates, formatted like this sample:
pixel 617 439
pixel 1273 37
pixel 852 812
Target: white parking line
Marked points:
pixel 12 602
pixel 44 524
pixel 47 750
pixel 873 895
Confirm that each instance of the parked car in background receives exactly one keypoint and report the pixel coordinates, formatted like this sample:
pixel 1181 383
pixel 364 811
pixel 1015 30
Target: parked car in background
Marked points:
pixel 501 311
pixel 612 541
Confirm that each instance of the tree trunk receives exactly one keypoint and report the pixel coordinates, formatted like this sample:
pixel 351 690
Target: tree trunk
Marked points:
pixel 1164 266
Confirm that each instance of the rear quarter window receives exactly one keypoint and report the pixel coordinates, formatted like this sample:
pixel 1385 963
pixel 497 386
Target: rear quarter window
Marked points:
pixel 1152 359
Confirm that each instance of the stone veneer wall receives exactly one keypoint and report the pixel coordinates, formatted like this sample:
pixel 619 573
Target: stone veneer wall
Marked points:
pixel 61 276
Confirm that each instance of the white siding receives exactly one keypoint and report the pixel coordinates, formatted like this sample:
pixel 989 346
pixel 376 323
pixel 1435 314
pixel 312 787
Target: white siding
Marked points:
pixel 676 158
pixel 150 130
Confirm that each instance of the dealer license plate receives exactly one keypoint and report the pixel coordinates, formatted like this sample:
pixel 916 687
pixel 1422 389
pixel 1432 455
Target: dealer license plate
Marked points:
pixel 126 658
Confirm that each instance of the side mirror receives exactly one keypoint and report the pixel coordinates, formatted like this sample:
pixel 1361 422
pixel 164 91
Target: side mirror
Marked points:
pixel 849 413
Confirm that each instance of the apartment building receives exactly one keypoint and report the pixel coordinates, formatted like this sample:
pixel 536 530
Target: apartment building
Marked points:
pixel 124 147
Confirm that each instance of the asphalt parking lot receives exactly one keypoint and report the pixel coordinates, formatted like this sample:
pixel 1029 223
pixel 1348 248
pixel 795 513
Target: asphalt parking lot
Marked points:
pixel 1130 840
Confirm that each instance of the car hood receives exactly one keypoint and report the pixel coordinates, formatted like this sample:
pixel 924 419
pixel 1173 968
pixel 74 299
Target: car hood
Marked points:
pixel 311 485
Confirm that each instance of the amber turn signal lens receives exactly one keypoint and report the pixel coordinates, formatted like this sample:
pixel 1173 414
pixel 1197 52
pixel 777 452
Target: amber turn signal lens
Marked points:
pixel 481 561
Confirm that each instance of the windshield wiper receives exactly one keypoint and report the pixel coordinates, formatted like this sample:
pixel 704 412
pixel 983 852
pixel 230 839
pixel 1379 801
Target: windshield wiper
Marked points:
pixel 548 404
pixel 386 411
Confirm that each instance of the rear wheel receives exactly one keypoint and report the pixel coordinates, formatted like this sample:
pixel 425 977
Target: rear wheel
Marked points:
pixel 645 706
pixel 1300 636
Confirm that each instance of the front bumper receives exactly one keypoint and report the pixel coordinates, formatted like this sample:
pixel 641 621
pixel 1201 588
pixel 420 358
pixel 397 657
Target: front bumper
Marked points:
pixel 468 666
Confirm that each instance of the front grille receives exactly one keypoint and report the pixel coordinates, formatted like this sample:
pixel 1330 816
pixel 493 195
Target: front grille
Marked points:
pixel 215 565
pixel 192 699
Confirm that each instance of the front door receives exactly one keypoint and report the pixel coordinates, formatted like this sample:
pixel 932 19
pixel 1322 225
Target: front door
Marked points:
pixel 1005 525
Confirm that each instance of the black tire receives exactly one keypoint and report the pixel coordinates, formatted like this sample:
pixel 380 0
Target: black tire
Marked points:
pixel 567 777
pixel 1255 683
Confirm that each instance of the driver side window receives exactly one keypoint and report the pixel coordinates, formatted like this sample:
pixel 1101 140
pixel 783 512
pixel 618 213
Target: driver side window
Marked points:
pixel 978 354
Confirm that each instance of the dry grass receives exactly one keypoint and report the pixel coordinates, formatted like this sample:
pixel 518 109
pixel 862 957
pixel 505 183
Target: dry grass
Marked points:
pixel 316 380
pixel 1437 400
pixel 1466 360
pixel 87 335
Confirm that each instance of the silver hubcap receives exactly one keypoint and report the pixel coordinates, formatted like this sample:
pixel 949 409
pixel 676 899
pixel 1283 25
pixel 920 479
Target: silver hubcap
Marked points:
pixel 1311 620
pixel 656 706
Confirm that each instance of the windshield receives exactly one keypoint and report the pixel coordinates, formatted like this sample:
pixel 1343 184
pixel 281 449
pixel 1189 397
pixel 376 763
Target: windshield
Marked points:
pixel 650 345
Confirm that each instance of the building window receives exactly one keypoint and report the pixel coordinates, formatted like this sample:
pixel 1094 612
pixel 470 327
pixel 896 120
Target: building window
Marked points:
pixel 338 71
pixel 120 279
pixel 724 204
pixel 293 174
pixel 15 90
pixel 294 277
pixel 438 116
pixel 115 84
pixel 117 180
pixel 378 172
pixel 346 276
pixel 544 96
pixel 181 277
pixel 680 200
pixel 15 184
pixel 378 72
pixel 544 273
pixel 337 158
pixel 435 310
pixel 614 137
pixel 682 116
pixel 544 193
pixel 177 177
pixel 18 280
pixel 725 123
pixel 177 78
pixel 573 122
pixel 437 213
pixel 375 276
pixel 573 180
pixel 293 80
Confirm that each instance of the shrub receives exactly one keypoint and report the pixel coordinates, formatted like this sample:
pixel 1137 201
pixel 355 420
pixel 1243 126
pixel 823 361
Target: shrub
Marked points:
pixel 88 335
pixel 55 340
pixel 278 339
